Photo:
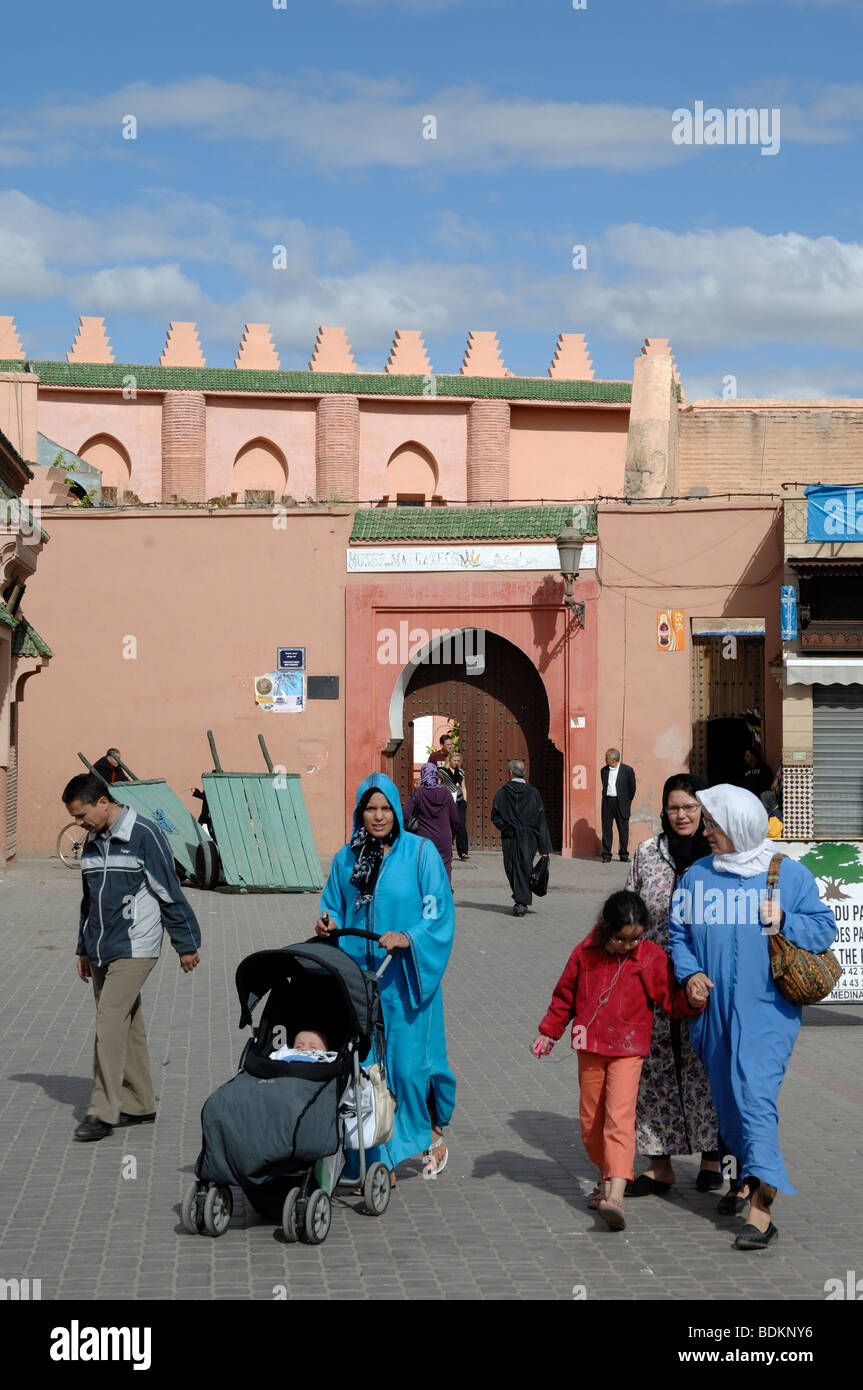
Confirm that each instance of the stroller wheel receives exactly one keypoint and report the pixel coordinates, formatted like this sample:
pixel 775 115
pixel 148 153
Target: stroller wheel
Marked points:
pixel 319 1214
pixel 290 1222
pixel 218 1206
pixel 191 1212
pixel 376 1189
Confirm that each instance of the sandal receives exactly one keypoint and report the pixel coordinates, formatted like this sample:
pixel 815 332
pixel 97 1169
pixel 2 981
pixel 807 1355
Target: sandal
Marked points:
pixel 611 1211
pixel 433 1166
pixel 596 1196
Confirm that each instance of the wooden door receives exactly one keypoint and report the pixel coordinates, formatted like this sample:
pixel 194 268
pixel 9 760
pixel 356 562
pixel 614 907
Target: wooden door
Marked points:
pixel 727 688
pixel 502 714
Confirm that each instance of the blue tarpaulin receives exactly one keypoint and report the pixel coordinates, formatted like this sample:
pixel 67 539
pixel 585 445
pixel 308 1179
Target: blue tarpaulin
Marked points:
pixel 834 512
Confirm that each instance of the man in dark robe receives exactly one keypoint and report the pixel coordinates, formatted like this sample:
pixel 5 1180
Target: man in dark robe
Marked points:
pixel 109 768
pixel 518 813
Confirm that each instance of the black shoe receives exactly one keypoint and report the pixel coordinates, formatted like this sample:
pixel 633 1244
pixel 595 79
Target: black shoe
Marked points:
pixel 731 1204
pixel 126 1120
pixel 708 1181
pixel 519 910
pixel 606 859
pixel 645 1186
pixel 464 856
pixel 624 858
pixel 91 1127
pixel 750 1238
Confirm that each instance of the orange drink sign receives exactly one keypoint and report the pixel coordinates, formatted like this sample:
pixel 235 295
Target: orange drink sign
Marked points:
pixel 669 629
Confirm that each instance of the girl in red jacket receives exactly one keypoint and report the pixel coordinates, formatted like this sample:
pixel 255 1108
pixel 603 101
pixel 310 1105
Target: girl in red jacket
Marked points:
pixel 608 989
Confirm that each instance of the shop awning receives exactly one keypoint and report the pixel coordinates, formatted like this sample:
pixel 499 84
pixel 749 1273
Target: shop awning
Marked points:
pixel 824 670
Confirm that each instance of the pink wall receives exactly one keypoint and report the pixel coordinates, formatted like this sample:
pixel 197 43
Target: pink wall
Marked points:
pixel 209 598
pixel 562 453
pixel 71 418
pixel 441 428
pixel 233 422
pixel 717 559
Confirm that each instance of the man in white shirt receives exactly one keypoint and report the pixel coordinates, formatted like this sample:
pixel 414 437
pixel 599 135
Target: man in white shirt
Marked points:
pixel 618 791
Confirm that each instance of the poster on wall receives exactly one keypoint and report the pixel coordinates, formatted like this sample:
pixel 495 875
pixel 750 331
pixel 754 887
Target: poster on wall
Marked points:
pixel 669 629
pixel 838 870
pixel 280 692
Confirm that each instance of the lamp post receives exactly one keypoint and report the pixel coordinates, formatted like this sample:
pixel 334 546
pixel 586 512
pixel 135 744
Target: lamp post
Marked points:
pixel 570 544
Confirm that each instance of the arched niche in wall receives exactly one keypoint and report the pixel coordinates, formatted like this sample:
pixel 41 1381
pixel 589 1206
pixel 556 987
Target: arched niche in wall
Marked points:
pixel 411 472
pixel 260 467
pixel 108 455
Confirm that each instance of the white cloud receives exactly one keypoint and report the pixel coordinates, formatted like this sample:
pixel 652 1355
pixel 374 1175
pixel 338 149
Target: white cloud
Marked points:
pixel 343 121
pixel 716 294
pixel 726 288
pixel 454 233
pixel 767 383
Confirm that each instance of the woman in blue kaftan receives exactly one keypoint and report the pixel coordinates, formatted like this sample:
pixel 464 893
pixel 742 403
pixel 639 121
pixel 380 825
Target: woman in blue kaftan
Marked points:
pixel 746 1034
pixel 394 884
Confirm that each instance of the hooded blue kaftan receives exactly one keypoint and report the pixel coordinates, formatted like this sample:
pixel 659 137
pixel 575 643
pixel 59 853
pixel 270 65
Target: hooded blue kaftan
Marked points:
pixel 746 1034
pixel 412 895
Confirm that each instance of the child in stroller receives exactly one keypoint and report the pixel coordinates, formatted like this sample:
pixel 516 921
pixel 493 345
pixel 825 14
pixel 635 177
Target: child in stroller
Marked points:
pixel 308 1044
pixel 277 1129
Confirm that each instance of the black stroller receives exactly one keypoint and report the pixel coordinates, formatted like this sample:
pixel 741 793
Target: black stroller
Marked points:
pixel 277 1129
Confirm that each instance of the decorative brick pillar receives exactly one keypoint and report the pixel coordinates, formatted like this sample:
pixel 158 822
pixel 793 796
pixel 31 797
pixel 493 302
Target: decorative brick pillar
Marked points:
pixel 488 451
pixel 797 808
pixel 337 448
pixel 184 446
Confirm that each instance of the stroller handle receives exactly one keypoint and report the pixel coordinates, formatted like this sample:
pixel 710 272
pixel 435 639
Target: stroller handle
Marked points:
pixel 353 931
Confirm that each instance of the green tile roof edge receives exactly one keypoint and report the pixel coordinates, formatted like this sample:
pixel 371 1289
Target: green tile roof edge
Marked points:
pixel 470 523
pixel 7 618
pixel 154 378
pixel 26 640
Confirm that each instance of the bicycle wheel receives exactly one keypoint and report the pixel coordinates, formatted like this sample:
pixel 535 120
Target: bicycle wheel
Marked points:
pixel 70 844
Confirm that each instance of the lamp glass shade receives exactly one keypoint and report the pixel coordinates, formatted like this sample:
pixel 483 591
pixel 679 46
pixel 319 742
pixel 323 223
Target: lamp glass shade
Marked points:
pixel 570 544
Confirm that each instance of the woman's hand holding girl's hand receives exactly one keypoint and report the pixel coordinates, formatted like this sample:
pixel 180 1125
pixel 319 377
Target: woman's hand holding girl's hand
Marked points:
pixel 324 926
pixel 393 940
pixel 698 988
pixel 541 1045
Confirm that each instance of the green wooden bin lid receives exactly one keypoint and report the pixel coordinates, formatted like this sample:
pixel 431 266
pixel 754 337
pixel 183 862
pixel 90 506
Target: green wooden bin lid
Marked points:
pixel 262 831
pixel 156 801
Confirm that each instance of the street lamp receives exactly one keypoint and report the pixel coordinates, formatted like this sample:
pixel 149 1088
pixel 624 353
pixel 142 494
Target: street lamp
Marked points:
pixel 570 544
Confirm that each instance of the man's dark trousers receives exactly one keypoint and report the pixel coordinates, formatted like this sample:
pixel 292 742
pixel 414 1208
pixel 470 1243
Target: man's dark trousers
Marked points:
pixel 610 817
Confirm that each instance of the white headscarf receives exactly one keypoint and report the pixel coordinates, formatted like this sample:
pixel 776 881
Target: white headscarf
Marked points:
pixel 743 818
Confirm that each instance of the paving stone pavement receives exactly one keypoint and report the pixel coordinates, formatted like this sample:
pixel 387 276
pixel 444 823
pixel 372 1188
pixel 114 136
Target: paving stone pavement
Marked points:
pixel 506 1220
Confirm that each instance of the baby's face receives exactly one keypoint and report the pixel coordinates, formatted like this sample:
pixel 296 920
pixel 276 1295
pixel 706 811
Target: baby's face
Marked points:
pixel 308 1041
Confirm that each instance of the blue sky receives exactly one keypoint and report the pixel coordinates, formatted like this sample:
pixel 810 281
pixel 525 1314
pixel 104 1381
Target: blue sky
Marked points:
pixel 303 127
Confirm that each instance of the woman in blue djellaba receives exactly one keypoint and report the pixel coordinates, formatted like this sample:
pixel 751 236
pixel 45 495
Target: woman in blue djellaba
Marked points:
pixel 720 924
pixel 394 884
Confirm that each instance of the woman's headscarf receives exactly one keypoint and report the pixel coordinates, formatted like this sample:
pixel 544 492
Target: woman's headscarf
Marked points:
pixel 684 849
pixel 429 775
pixel 743 818
pixel 369 850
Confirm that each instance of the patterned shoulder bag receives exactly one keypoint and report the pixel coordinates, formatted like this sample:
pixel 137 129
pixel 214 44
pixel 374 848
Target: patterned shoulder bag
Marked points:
pixel 802 976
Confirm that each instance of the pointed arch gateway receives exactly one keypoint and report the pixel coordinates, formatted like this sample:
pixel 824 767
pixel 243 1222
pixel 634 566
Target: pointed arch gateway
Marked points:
pixel 112 459
pixel 502 713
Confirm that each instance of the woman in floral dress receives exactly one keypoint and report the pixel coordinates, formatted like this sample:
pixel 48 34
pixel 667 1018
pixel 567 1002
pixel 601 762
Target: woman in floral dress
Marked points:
pixel 675 1113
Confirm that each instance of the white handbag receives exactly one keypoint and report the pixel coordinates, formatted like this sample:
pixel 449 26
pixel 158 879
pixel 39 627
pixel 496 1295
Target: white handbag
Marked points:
pixel 378 1106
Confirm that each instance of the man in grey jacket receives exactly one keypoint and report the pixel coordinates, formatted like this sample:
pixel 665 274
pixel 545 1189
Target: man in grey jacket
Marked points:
pixel 131 895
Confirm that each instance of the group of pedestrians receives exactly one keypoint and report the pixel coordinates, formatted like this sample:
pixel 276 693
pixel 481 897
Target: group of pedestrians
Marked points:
pixel 683 1039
